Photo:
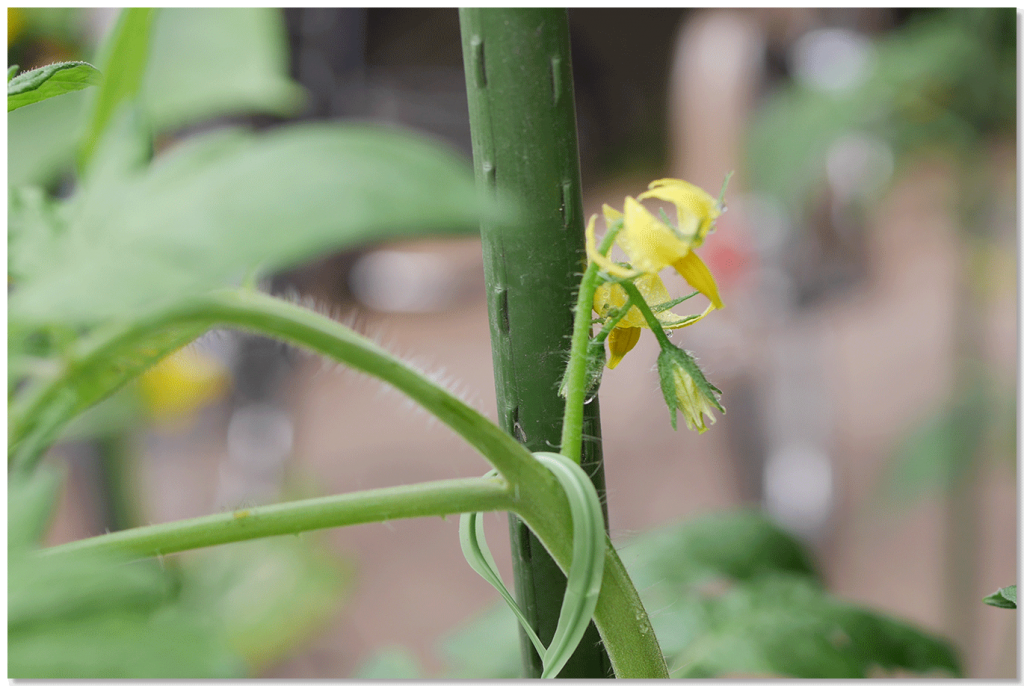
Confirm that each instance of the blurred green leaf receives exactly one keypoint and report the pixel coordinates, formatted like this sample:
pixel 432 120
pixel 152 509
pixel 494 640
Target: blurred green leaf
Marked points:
pixel 485 648
pixel 942 80
pixel 936 452
pixel 98 616
pixel 1005 597
pixel 788 626
pixel 31 501
pixel 733 594
pixel 390 663
pixel 269 595
pixel 209 62
pixel 123 63
pixel 737 545
pixel 92 378
pixel 50 81
pixel 203 63
pixel 33 227
pixel 220 204
pixel 42 139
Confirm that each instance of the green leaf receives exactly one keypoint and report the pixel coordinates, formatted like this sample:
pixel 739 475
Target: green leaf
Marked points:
pixel 31 501
pixel 1005 597
pixel 50 81
pixel 270 594
pixel 210 62
pixel 732 594
pixel 391 663
pixel 33 227
pixel 736 545
pixel 485 648
pixel 936 452
pixel 478 555
pixel 123 62
pixel 788 626
pixel 95 615
pixel 42 139
pixel 103 367
pixel 203 62
pixel 217 206
pixel 583 585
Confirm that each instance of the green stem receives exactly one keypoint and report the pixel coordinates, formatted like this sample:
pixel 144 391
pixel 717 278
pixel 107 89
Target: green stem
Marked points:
pixel 576 372
pixel 531 491
pixel 432 499
pixel 523 125
pixel 652 321
pixel 277 318
pixel 261 313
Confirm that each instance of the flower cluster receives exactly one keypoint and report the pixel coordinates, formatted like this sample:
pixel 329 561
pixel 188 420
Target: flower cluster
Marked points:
pixel 651 244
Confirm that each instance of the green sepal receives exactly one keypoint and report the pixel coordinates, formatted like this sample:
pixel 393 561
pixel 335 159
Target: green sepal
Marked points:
pixel 671 356
pixel 668 388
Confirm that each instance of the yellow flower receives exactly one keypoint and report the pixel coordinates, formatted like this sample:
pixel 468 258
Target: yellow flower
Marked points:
pixel 626 333
pixel 652 245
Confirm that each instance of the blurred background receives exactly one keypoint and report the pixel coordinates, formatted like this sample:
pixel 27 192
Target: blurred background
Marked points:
pixel 867 352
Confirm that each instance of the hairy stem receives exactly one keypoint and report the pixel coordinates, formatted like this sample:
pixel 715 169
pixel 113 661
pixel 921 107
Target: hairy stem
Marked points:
pixel 576 371
pixel 435 498
pixel 528 490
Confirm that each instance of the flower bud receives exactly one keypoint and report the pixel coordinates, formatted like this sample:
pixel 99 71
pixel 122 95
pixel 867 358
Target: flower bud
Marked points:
pixel 686 390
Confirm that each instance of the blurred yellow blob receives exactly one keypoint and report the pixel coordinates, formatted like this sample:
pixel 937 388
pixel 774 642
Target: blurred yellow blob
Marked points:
pixel 15 23
pixel 181 383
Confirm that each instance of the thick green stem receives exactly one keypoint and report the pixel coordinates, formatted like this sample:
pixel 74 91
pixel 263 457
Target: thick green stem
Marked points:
pixel 523 125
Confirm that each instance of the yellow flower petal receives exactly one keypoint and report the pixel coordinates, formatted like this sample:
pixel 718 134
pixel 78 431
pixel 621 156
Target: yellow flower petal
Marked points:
pixel 620 341
pixel 696 209
pixel 602 261
pixel 696 273
pixel 611 215
pixel 649 243
pixel 609 296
